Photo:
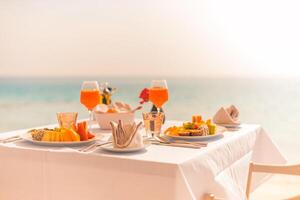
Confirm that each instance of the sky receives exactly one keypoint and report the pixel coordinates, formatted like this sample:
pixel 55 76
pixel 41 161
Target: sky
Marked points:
pixel 215 38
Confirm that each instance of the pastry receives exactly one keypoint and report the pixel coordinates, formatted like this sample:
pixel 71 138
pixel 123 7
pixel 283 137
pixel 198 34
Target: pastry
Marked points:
pixel 37 134
pixel 184 133
pixel 201 131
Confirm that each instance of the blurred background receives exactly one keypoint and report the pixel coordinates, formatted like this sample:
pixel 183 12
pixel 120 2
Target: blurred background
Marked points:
pixel 212 53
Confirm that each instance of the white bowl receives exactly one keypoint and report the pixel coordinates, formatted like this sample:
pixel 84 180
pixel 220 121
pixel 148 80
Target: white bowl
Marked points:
pixel 104 119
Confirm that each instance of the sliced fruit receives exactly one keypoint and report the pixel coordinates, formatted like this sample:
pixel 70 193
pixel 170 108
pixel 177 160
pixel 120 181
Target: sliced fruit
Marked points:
pixel 56 138
pixel 52 136
pixel 172 131
pixel 60 137
pixel 47 136
pixel 188 125
pixel 194 118
pixel 198 119
pixel 212 129
pixel 75 136
pixel 90 135
pixel 67 135
pixel 208 122
pixel 82 130
pixel 195 126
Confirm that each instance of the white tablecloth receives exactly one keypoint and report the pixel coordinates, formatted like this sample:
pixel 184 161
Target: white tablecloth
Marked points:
pixel 160 173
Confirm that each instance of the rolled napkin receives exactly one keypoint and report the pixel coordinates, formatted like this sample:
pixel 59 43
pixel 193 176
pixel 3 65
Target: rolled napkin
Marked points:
pixel 228 115
pixel 126 135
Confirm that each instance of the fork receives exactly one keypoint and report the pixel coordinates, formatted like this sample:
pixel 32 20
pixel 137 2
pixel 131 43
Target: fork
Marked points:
pixel 195 146
pixel 93 146
pixel 11 139
pixel 164 140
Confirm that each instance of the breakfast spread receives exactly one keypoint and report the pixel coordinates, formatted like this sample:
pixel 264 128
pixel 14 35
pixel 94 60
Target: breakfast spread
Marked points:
pixel 62 134
pixel 120 118
pixel 198 127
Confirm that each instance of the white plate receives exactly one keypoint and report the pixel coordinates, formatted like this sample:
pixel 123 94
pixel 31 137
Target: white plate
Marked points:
pixel 198 138
pixel 109 147
pixel 27 137
pixel 218 134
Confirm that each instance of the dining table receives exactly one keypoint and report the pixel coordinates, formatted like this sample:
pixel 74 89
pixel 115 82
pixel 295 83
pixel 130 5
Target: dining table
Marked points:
pixel 34 172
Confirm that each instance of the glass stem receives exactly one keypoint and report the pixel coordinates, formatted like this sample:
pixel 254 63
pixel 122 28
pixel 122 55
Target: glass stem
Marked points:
pixel 90 120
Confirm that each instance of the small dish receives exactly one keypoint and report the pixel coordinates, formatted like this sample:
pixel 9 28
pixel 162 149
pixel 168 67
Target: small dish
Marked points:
pixel 196 138
pixel 110 147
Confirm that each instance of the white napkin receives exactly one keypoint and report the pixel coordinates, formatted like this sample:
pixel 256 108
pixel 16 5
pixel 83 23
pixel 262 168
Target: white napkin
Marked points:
pixel 126 135
pixel 228 115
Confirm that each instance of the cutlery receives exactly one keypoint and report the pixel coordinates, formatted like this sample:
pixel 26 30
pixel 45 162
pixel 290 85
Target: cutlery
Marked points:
pixel 204 144
pixel 9 138
pixel 12 140
pixel 93 146
pixel 165 140
pixel 178 145
pixel 232 129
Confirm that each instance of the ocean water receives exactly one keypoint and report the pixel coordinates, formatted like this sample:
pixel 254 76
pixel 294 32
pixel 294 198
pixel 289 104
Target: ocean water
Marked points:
pixel 273 103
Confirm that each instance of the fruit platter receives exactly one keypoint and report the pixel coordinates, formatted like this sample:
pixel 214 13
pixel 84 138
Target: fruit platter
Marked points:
pixel 197 129
pixel 79 135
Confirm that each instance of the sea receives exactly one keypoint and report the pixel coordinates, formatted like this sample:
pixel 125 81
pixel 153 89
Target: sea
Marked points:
pixel 272 103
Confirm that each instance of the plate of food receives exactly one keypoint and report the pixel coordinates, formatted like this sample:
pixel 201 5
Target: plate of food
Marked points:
pixel 198 129
pixel 61 136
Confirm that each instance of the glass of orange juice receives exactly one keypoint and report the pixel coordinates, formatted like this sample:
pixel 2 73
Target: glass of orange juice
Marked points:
pixel 90 96
pixel 158 93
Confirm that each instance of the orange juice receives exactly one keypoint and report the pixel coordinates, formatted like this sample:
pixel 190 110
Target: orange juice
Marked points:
pixel 90 98
pixel 158 96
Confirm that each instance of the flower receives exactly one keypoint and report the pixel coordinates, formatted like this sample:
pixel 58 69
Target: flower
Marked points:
pixel 144 95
